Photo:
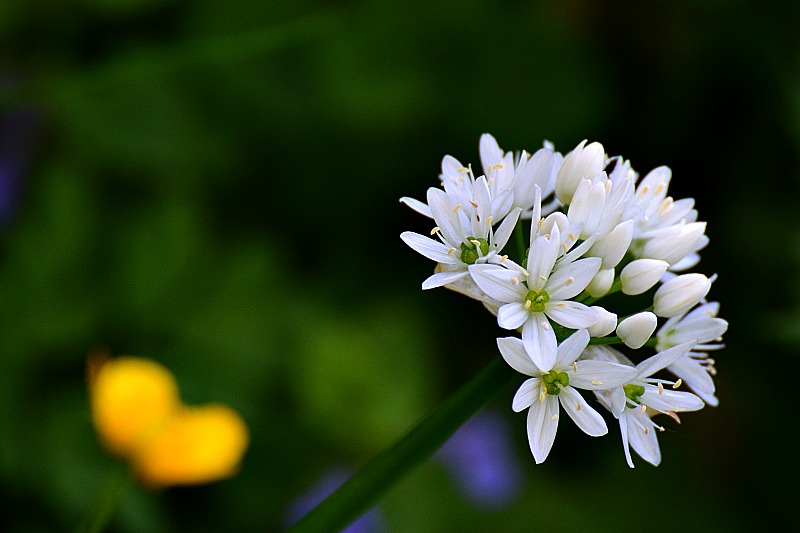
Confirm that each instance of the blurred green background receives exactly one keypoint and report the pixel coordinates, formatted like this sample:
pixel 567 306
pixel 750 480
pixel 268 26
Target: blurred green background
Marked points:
pixel 214 185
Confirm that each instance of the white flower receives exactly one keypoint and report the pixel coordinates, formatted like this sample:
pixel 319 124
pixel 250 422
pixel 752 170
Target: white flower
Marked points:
pixel 635 330
pixel 696 368
pixel 642 397
pixel 539 294
pixel 466 235
pixel 601 283
pixel 680 294
pixel 556 385
pixel 606 322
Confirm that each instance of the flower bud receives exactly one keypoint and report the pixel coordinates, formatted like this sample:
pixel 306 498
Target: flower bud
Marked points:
pixel 680 294
pixel 600 283
pixel 636 329
pixel 582 162
pixel 638 276
pixel 605 324
pixel 611 248
pixel 587 206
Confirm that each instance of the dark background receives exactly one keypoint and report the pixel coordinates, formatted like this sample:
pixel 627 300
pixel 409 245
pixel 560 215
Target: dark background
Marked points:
pixel 214 185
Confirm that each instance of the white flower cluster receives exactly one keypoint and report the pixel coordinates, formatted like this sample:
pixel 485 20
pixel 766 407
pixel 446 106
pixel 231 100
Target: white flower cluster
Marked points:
pixel 595 230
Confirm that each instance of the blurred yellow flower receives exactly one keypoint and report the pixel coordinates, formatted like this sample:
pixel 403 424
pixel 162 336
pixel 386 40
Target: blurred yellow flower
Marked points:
pixel 138 414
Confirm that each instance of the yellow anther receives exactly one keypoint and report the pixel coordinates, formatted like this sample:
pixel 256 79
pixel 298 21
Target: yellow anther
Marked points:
pixel 473 204
pixel 597 382
pixel 660 388
pixel 490 181
pixel 463 169
pixel 554 418
pixel 571 236
pixel 666 205
pixel 457 207
pixel 542 277
pixel 476 242
pixel 498 166
pixel 579 407
pixel 644 190
pixel 451 250
pixel 489 220
pixel 542 396
pixel 575 366
pixel 546 235
pixel 643 408
pixel 503 258
pixel 564 246
pixel 515 280
pixel 544 323
pixel 527 304
pixel 646 431
pixel 436 230
pixel 660 188
pixel 569 281
pixel 680 381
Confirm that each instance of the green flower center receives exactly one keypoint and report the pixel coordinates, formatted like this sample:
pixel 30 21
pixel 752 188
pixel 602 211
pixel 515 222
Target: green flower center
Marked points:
pixel 554 381
pixel 633 392
pixel 469 249
pixel 538 300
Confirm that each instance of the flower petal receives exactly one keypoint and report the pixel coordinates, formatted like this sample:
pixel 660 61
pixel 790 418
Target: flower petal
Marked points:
pixel 645 444
pixel 571 348
pixel 570 314
pixel 671 400
pixel 569 280
pixel 505 230
pixel 540 341
pixel 542 427
pixel 600 375
pixel 527 394
pixel 514 353
pixel 499 283
pixel 541 258
pixel 584 416
pixel 650 366
pixel 431 249
pixel 417 206
pixel 443 278
pixel 512 315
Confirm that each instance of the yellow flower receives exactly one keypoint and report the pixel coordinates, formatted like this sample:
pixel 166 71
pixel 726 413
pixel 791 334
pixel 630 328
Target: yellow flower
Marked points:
pixel 139 416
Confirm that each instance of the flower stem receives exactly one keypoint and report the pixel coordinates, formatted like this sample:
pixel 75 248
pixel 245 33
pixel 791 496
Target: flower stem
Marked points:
pixel 103 507
pixel 364 489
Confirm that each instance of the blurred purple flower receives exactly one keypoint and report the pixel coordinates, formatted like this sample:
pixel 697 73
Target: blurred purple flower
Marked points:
pixel 482 461
pixel 17 138
pixel 370 522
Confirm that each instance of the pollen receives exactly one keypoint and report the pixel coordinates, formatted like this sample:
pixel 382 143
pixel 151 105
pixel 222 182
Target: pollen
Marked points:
pixel 436 230
pixel 542 277
pixel 451 250
pixel 545 324
pixel 554 418
pixel 564 246
pixel 569 281
pixel 660 388
pixel 660 188
pixel 488 220
pixel 597 382
pixel 643 408
pixel 579 407
pixel 515 280
pixel 463 169
pixel 646 431
pixel 527 305
pixel 571 236
pixel 644 190
pixel 575 366
pixel 456 208
pixel 473 204
pixel 677 383
pixel 503 258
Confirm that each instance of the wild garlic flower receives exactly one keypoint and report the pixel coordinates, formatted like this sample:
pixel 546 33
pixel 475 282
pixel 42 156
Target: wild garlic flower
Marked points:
pixel 641 397
pixel 600 231
pixel 554 385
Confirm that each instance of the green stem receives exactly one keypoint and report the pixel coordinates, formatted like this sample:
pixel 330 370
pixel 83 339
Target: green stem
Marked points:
pixel 519 237
pixel 605 340
pixel 102 510
pixel 364 489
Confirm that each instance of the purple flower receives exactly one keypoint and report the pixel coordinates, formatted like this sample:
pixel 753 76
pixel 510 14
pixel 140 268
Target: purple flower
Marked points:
pixel 482 461
pixel 17 138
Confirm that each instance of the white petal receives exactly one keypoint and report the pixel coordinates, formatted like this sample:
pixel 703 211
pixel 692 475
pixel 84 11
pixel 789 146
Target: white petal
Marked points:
pixel 540 341
pixel 417 206
pixel 584 416
pixel 514 353
pixel 450 224
pixel 505 230
pixel 527 394
pixel 499 283
pixel 542 427
pixel 600 375
pixel 671 400
pixel 636 330
pixel 693 373
pixel 650 366
pixel 431 249
pixel 571 348
pixel 625 430
pixel 570 314
pixel 645 444
pixel 443 278
pixel 490 152
pixel 541 258
pixel 569 280
pixel 512 315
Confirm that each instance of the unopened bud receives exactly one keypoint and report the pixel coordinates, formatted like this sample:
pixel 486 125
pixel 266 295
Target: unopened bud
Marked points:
pixel 637 329
pixel 680 294
pixel 638 276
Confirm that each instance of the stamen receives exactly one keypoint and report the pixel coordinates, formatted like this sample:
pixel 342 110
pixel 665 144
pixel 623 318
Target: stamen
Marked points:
pixel 597 382
pixel 503 258
pixel 570 236
pixel 646 431
pixel 488 220
pixel 569 281
pixel 544 323
pixel 473 204
pixel 450 251
pixel 564 246
pixel 457 207
pixel 436 230
pixel 677 383
pixel 528 305
pixel 554 418
pixel 542 277
pixel 575 366
pixel 546 235
pixel 463 169
pixel 660 388
pixel 660 188
pixel 608 187
pixel 542 396
pixel 644 190
pixel 490 181
pixel 515 280
pixel 476 242
pixel 579 407
pixel 666 205
pixel 643 408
